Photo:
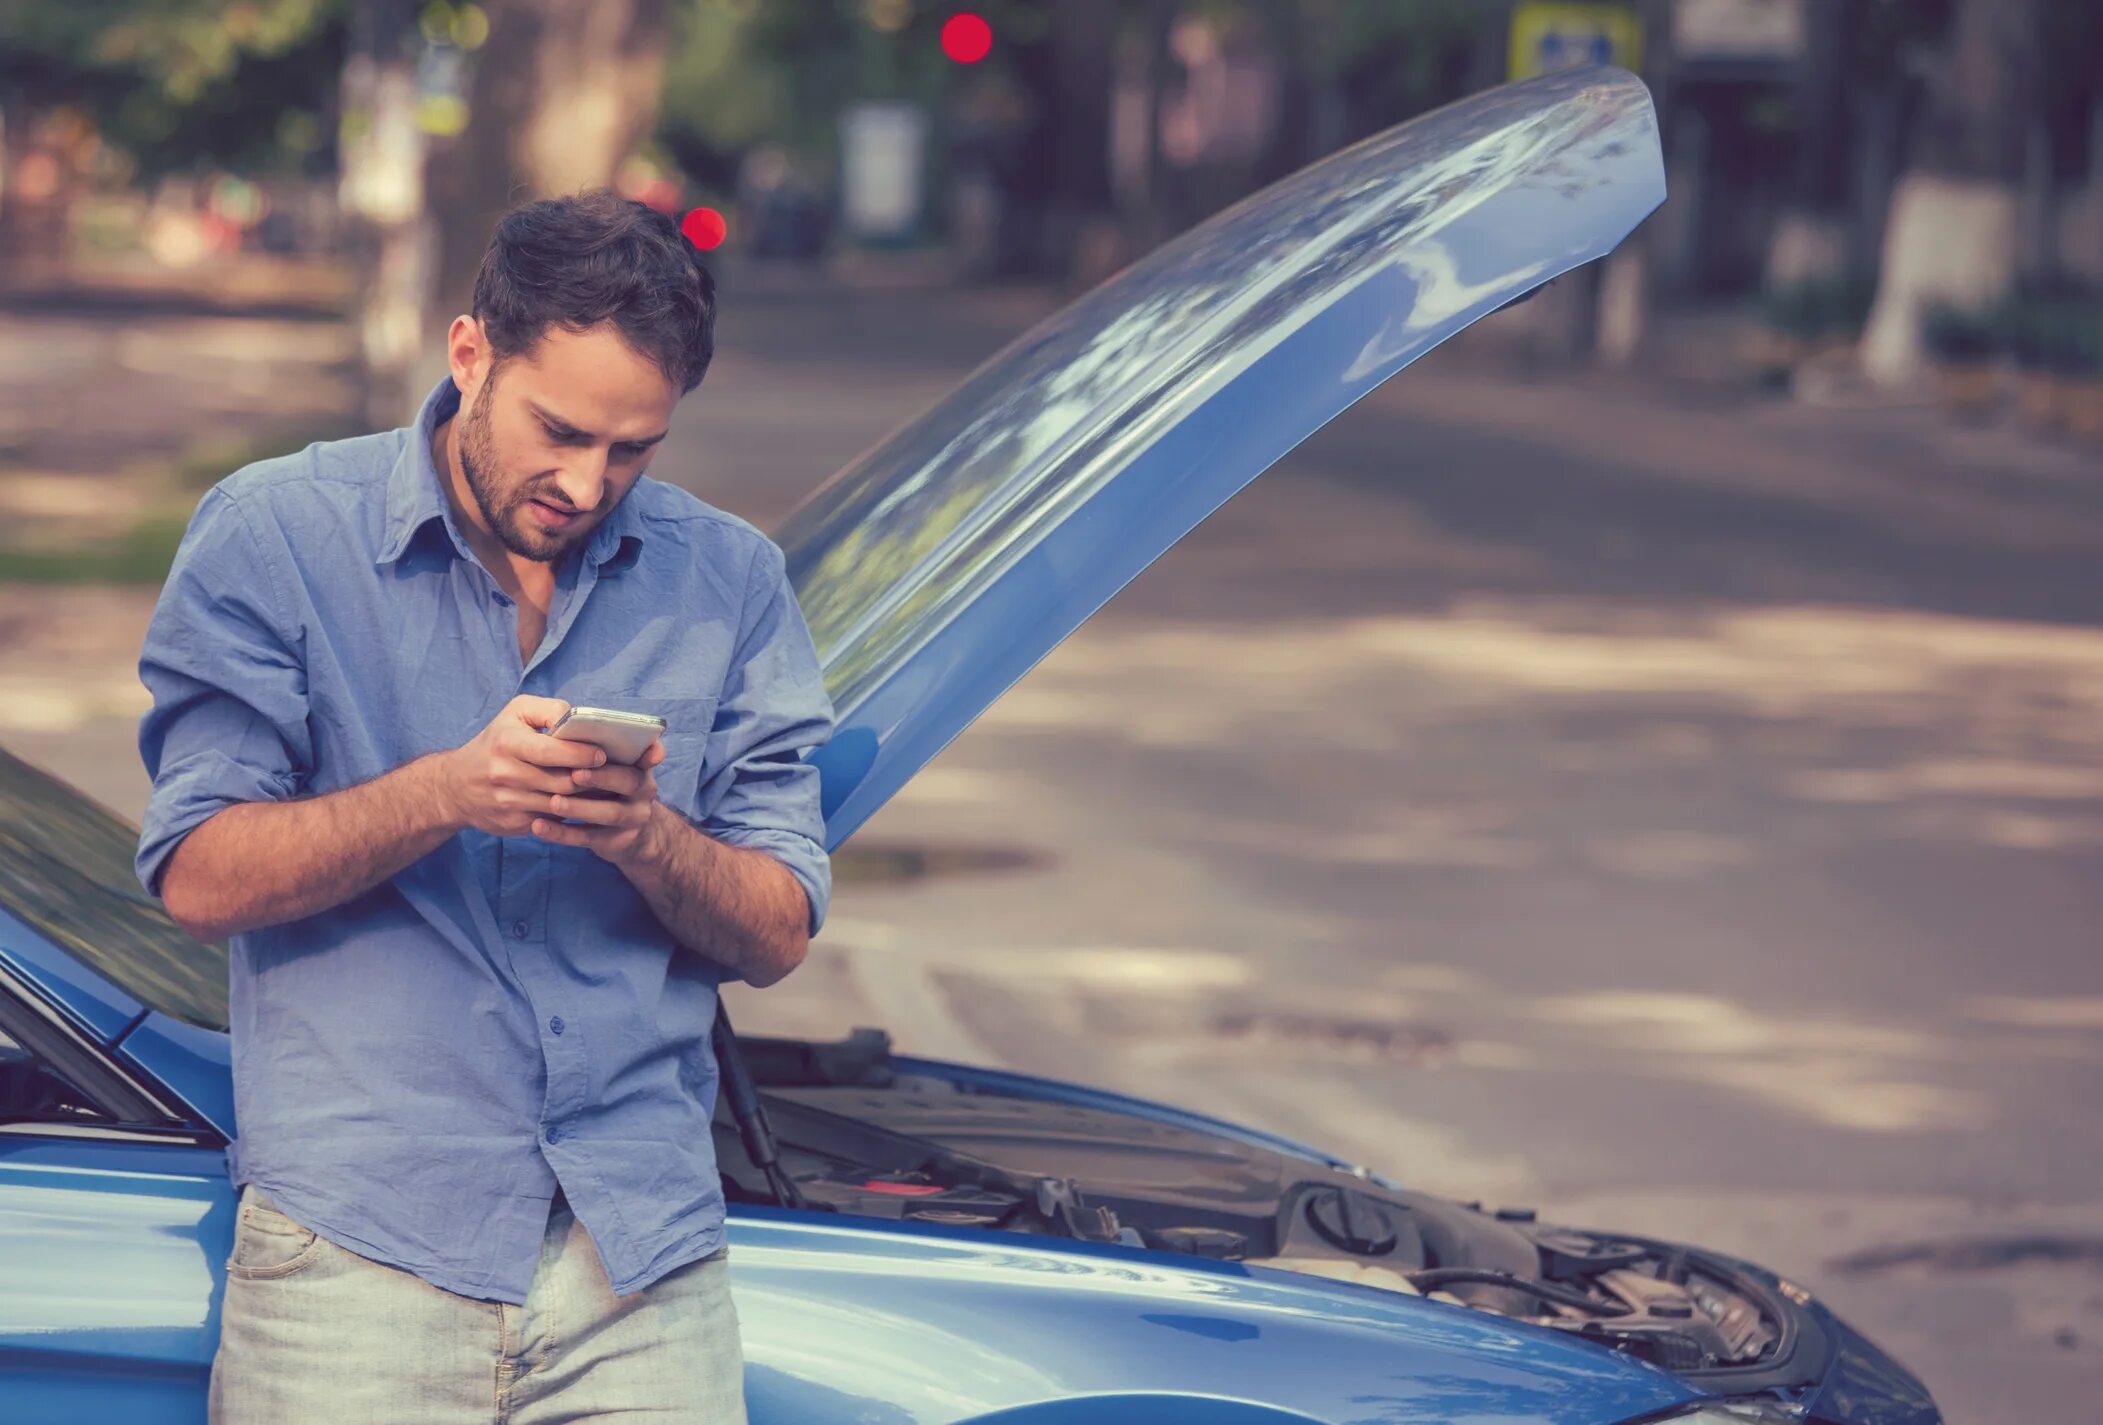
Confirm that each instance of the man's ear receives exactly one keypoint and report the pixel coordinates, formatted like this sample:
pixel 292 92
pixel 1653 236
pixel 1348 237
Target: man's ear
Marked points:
pixel 467 353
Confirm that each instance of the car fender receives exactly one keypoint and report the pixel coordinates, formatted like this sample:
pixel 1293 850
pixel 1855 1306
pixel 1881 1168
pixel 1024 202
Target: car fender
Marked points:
pixel 892 1323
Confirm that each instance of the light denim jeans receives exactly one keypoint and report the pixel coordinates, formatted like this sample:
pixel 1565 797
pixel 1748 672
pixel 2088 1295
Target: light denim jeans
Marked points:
pixel 314 1333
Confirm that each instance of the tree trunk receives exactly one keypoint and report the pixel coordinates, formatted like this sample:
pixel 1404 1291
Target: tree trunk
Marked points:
pixel 1072 75
pixel 381 192
pixel 1811 239
pixel 1951 236
pixel 1136 170
pixel 561 94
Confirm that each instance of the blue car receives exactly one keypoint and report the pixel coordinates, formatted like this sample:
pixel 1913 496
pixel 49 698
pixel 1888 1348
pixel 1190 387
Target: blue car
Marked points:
pixel 920 1242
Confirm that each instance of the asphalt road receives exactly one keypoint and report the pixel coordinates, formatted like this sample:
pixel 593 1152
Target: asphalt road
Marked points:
pixel 1660 809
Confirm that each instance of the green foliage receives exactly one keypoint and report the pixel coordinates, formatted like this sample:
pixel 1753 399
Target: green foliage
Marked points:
pixel 741 71
pixel 181 83
pixel 718 90
pixel 2055 329
pixel 140 555
pixel 183 47
pixel 1395 59
pixel 1827 307
pixel 211 460
pixel 1408 37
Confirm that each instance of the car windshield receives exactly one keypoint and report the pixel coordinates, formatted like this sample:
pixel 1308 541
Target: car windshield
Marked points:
pixel 66 871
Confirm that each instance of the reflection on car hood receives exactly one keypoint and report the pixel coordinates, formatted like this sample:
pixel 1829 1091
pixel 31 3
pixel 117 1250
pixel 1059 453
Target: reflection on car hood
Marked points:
pixel 944 562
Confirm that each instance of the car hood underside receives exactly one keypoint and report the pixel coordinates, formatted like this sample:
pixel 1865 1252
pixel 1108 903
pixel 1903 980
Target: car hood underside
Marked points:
pixel 869 1135
pixel 945 561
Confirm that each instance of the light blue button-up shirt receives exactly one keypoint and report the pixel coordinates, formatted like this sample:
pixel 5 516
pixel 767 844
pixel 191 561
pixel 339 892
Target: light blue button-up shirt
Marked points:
pixel 416 1069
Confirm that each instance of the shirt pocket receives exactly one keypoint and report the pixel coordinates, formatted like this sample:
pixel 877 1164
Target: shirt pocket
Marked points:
pixel 688 721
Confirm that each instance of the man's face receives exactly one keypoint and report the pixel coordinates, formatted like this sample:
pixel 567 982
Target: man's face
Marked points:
pixel 552 441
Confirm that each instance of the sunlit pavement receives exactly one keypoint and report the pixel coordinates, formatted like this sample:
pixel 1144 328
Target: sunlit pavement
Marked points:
pixel 1675 814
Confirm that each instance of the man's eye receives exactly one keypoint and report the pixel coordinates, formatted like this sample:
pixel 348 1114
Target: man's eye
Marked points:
pixel 630 452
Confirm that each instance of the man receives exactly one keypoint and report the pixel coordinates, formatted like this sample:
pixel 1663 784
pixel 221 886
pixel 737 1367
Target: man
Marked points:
pixel 473 966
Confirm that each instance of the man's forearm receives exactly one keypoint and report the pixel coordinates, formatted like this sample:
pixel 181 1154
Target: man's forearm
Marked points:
pixel 265 863
pixel 739 907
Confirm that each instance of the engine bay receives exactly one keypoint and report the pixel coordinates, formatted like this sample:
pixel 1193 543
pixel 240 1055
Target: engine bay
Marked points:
pixel 855 1132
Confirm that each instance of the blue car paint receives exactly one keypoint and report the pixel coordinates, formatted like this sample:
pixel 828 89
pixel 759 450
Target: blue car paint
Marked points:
pixel 195 1066
pixel 110 1278
pixel 115 1256
pixel 946 561
pixel 942 574
pixel 957 1324
pixel 114 1270
pixel 1864 1386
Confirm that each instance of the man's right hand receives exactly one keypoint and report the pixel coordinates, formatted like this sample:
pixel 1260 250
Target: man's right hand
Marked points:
pixel 501 781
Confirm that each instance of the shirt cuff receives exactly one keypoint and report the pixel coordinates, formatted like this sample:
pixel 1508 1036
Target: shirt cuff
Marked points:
pixel 185 800
pixel 805 858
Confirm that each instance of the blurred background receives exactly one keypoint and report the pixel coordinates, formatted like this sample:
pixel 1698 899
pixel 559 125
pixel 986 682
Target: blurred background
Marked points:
pixel 1643 763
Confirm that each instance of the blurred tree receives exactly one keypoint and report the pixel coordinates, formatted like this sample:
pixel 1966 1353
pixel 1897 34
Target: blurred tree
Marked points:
pixel 1061 189
pixel 1811 238
pixel 561 93
pixel 178 84
pixel 743 72
pixel 1390 60
pixel 1952 230
pixel 380 190
pixel 720 96
pixel 1342 69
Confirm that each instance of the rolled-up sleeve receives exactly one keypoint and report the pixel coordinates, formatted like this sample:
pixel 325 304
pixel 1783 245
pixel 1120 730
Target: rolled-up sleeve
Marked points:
pixel 757 789
pixel 229 717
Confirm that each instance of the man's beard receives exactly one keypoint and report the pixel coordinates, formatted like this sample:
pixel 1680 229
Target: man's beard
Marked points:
pixel 504 515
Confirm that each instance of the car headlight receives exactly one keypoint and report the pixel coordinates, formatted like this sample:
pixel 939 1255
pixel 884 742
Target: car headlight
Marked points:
pixel 1736 1412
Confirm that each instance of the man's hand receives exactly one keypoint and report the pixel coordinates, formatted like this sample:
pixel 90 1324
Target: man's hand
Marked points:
pixel 513 772
pixel 617 803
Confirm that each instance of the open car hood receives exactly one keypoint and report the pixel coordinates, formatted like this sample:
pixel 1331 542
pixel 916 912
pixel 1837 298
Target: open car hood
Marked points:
pixel 945 561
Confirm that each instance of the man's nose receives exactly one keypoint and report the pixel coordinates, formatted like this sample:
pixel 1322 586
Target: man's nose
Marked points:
pixel 583 481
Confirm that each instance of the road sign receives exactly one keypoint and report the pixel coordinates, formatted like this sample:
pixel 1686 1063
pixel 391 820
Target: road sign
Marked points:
pixel 1548 37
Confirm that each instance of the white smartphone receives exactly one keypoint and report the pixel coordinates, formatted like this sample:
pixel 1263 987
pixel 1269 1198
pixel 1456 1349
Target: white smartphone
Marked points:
pixel 623 736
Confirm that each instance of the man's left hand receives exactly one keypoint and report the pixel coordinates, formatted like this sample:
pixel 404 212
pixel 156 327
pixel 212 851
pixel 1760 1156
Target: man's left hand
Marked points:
pixel 616 804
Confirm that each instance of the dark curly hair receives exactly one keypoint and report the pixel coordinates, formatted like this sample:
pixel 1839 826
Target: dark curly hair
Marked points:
pixel 591 258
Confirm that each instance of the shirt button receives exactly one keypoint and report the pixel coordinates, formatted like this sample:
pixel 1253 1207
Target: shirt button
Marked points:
pixel 502 598
pixel 518 930
pixel 551 1134
pixel 555 1025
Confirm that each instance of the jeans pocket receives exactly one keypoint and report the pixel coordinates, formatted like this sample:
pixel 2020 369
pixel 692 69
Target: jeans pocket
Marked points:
pixel 268 1244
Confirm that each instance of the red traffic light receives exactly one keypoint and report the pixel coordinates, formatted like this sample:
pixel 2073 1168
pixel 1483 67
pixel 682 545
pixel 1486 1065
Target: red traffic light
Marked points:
pixel 966 38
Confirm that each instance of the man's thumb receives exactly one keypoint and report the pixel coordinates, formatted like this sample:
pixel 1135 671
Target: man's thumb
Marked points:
pixel 542 713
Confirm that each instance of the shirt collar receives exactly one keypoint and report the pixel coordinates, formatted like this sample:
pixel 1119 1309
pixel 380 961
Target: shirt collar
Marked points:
pixel 618 540
pixel 416 495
